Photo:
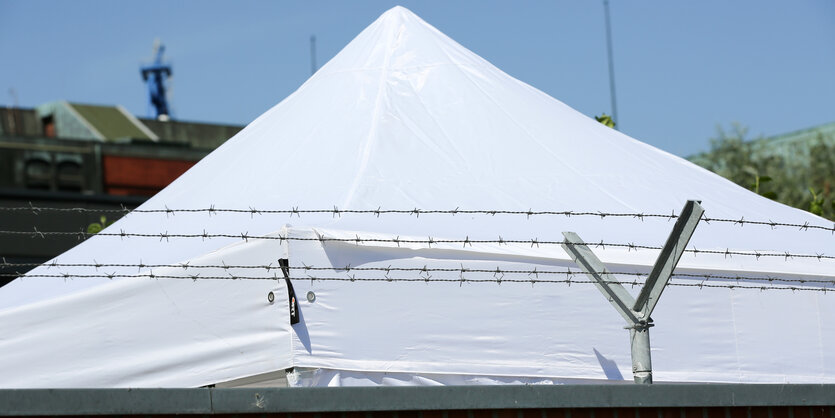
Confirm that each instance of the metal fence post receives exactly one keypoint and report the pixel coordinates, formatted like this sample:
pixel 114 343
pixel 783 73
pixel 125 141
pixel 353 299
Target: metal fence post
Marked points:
pixel 636 312
pixel 641 357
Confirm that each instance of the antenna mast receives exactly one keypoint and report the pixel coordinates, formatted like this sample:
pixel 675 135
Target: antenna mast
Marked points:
pixel 313 67
pixel 611 63
pixel 155 75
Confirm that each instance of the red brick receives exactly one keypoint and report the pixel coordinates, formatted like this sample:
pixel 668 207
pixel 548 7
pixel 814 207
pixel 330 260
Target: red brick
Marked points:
pixel 780 412
pixel 626 413
pixel 132 174
pixel 555 413
pixel 645 413
pixel 819 412
pixel 604 413
pixel 432 414
pixel 692 412
pixel 458 413
pixel 531 413
pixel 738 412
pixel 759 412
pixel 669 412
pixel 716 412
pixel 506 413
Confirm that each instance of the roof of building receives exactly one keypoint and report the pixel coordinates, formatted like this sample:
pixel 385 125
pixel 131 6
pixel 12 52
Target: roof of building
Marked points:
pixel 197 134
pixel 114 122
pixel 111 121
pixel 825 132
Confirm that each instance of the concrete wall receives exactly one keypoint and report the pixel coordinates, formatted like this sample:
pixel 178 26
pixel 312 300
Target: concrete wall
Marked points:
pixel 518 401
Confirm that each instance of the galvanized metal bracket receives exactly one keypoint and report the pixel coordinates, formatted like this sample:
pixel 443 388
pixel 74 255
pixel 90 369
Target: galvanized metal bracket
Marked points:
pixel 636 312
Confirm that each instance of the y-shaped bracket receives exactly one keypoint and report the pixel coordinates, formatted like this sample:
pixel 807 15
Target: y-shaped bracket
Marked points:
pixel 637 312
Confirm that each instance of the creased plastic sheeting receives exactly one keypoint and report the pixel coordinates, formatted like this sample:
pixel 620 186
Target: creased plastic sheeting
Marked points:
pixel 536 330
pixel 154 332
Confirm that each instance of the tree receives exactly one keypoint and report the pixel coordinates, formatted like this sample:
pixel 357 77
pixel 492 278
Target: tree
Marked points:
pixel 799 173
pixel 96 227
pixel 606 120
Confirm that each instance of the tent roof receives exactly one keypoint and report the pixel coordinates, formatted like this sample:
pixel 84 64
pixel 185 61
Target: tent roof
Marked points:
pixel 404 117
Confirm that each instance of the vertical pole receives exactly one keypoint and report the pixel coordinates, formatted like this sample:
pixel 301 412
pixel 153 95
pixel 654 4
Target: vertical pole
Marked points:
pixel 313 54
pixel 641 357
pixel 611 63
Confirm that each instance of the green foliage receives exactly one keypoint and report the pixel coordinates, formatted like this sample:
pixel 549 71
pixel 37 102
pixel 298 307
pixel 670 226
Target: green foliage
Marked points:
pixel 799 174
pixel 606 120
pixel 816 206
pixel 96 227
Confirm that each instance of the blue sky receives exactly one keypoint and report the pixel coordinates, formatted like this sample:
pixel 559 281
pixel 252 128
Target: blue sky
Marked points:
pixel 682 68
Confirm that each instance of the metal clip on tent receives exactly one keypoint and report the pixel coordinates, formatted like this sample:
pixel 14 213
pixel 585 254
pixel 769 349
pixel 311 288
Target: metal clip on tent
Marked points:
pixel 637 312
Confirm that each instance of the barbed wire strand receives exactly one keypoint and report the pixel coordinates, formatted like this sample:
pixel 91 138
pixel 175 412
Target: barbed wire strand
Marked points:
pixel 534 242
pixel 460 280
pixel 336 212
pixel 425 269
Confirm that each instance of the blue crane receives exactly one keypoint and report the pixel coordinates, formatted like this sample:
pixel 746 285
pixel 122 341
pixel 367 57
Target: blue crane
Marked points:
pixel 155 75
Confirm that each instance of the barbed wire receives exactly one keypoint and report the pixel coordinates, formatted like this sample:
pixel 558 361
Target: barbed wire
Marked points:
pixel 534 242
pixel 423 270
pixel 336 212
pixel 459 280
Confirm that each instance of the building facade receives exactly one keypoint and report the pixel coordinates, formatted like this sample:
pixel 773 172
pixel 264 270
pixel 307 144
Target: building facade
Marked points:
pixel 69 155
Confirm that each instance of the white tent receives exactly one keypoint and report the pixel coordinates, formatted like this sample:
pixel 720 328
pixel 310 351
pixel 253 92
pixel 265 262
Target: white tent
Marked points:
pixel 405 118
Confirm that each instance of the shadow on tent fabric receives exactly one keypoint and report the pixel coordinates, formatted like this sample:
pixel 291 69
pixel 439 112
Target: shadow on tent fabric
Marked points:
pixel 610 368
pixel 301 332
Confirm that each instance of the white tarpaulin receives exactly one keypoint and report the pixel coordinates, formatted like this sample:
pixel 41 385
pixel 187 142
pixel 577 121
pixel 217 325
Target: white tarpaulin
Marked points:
pixel 405 118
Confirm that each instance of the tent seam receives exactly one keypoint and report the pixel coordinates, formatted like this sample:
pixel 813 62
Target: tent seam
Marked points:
pixel 375 118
